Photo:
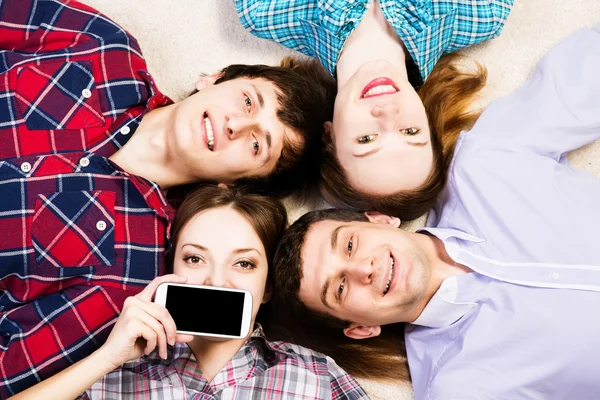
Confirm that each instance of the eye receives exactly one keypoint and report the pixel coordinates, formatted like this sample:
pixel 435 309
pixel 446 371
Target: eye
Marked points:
pixel 192 259
pixel 410 131
pixel 246 264
pixel 248 102
pixel 366 139
pixel 341 289
pixel 255 145
pixel 350 246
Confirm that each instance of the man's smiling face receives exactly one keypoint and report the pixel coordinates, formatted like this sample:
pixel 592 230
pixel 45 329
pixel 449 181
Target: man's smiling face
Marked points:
pixel 369 273
pixel 231 130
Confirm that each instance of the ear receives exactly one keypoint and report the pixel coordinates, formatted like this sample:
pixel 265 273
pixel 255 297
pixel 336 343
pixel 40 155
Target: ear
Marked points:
pixel 223 185
pixel 268 293
pixel 355 331
pixel 327 131
pixel 207 80
pixel 379 218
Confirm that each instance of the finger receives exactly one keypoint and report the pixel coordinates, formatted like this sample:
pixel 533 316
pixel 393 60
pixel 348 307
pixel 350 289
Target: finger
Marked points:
pixel 184 338
pixel 162 315
pixel 141 330
pixel 138 312
pixel 161 337
pixel 149 290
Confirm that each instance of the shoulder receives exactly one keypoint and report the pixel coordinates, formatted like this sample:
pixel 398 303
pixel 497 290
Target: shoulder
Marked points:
pixel 340 384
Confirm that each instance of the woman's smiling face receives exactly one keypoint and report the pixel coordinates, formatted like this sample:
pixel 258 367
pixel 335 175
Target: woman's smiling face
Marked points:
pixel 218 247
pixel 381 132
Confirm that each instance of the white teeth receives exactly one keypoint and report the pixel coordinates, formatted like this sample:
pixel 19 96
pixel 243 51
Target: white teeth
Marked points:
pixel 380 89
pixel 389 281
pixel 209 133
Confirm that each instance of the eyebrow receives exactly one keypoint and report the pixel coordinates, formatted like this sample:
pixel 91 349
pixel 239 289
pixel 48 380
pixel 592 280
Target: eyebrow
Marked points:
pixel 334 236
pixel 236 251
pixel 334 239
pixel 259 96
pixel 261 102
pixel 239 251
pixel 368 153
pixel 199 247
pixel 324 294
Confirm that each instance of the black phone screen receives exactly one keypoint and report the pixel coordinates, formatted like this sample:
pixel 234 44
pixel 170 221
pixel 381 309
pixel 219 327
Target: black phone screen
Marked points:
pixel 204 310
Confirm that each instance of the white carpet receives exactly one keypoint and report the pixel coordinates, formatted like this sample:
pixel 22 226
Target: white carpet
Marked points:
pixel 184 38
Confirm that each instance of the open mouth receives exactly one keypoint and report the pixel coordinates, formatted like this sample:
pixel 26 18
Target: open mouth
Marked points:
pixel 210 136
pixel 379 87
pixel 390 276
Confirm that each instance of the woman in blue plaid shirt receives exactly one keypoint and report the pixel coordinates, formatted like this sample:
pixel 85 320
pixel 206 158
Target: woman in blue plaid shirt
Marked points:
pixel 399 107
pixel 225 238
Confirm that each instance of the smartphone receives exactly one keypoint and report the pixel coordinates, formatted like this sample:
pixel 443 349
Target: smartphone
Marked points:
pixel 207 310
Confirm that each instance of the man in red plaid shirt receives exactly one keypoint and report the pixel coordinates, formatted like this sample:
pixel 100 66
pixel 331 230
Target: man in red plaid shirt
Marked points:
pixel 87 146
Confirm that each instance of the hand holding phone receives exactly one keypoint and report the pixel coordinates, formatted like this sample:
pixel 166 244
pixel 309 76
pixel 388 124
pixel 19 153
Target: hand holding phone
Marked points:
pixel 207 310
pixel 142 326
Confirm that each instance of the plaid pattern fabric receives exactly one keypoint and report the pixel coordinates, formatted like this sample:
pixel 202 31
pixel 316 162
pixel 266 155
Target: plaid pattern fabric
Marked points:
pixel 429 28
pixel 70 80
pixel 259 370
pixel 79 235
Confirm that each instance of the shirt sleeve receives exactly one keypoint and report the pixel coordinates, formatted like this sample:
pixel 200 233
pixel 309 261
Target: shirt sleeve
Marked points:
pixel 276 20
pixel 558 108
pixel 343 386
pixel 35 339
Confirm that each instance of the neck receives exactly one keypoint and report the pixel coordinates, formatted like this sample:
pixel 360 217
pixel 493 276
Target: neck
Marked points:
pixel 441 266
pixel 147 153
pixel 359 49
pixel 213 356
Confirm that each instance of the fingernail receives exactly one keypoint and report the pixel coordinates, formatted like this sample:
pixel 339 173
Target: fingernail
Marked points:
pixel 172 342
pixel 183 278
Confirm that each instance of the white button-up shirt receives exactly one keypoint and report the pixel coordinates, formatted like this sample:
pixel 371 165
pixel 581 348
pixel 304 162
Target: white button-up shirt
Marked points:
pixel 526 323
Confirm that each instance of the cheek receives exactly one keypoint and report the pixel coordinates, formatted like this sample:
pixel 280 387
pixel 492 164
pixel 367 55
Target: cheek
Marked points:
pixel 196 275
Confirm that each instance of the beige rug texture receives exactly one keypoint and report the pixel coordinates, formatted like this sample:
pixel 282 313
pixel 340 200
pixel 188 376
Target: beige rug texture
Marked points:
pixel 183 38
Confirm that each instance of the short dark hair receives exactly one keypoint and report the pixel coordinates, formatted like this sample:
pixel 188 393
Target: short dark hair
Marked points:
pixel 306 93
pixel 382 357
pixel 447 95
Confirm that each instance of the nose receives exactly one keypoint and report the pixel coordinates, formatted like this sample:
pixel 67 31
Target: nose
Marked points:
pixel 386 115
pixel 238 125
pixel 363 270
pixel 217 277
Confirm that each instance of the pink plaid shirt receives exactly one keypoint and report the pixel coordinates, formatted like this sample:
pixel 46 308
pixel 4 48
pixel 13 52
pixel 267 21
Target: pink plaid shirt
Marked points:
pixel 259 370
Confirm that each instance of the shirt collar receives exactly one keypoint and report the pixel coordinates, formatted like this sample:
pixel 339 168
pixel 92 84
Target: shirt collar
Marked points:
pixel 446 233
pixel 443 309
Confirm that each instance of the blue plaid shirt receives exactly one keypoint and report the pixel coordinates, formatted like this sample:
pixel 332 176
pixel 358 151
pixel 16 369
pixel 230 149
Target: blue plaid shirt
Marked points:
pixel 429 28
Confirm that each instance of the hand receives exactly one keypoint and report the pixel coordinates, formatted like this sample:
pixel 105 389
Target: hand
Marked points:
pixel 142 326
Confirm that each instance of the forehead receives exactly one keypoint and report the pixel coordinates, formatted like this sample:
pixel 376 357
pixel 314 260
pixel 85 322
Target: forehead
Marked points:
pixel 222 227
pixel 389 170
pixel 317 260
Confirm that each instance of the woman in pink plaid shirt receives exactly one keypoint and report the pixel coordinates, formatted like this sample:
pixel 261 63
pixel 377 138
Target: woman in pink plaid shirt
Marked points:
pixel 221 237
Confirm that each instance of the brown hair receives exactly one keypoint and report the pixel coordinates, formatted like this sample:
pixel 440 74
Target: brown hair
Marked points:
pixel 306 93
pixel 266 214
pixel 447 95
pixel 382 357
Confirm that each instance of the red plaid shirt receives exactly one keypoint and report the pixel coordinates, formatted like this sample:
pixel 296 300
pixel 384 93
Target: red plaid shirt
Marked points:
pixel 79 234
pixel 260 370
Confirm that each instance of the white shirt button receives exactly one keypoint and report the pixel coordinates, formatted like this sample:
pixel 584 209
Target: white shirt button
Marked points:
pixel 101 225
pixel 125 130
pixel 86 93
pixel 84 162
pixel 25 167
pixel 555 275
